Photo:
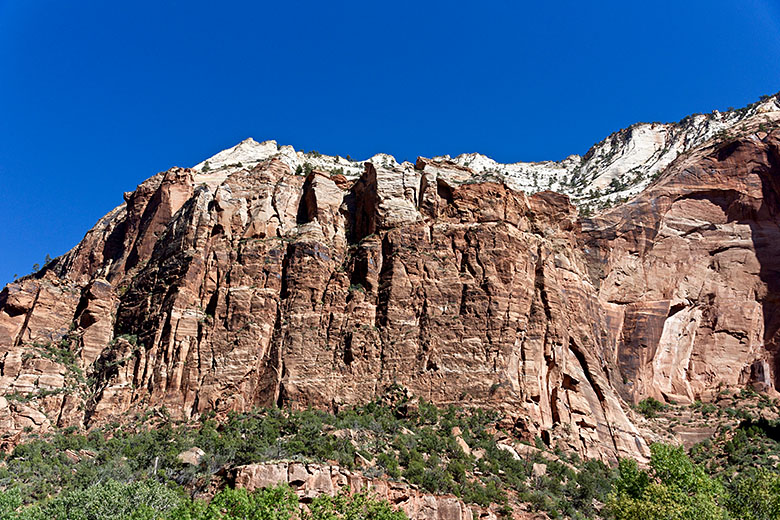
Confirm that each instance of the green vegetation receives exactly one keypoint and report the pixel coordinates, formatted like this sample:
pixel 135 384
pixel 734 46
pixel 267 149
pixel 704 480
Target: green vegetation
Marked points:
pixel 441 450
pixel 705 408
pixel 150 500
pixel 676 487
pixel 735 475
pixel 755 495
pixel 304 169
pixel 397 438
pixel 650 407
pixel 753 444
pixel 673 488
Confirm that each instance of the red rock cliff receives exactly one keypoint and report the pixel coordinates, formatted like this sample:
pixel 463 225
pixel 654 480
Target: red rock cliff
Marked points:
pixel 269 287
pixel 689 273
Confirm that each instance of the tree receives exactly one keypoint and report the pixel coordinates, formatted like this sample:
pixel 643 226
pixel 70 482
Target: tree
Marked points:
pixel 650 407
pixel 109 500
pixel 273 503
pixel 10 501
pixel 756 496
pixel 360 506
pixel 674 489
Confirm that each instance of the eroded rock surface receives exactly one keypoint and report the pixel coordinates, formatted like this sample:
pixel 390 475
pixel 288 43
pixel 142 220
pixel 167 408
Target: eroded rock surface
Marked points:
pixel 312 480
pixel 277 288
pixel 689 273
pixel 259 286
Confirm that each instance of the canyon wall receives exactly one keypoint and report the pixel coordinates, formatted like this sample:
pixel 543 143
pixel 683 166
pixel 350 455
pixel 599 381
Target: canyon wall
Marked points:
pixel 252 286
pixel 689 273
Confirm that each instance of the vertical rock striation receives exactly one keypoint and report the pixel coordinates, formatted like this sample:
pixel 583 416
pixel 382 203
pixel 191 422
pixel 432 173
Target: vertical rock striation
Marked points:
pixel 252 286
pixel 277 288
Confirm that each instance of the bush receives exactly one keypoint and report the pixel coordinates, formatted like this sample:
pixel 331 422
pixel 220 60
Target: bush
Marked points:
pixel 675 488
pixel 109 500
pixel 151 500
pixel 650 407
pixel 137 466
pixel 755 495
pixel 360 506
pixel 273 503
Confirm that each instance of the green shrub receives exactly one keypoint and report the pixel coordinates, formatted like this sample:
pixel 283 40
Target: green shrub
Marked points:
pixel 110 500
pixel 675 488
pixel 755 495
pixel 406 439
pixel 360 506
pixel 650 407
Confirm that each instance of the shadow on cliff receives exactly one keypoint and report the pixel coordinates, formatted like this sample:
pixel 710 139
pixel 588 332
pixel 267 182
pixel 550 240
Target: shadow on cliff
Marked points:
pixel 765 233
pixel 763 218
pixel 745 163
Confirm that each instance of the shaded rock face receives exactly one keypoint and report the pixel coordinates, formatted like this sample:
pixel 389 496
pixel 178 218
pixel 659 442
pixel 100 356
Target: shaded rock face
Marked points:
pixel 689 274
pixel 269 287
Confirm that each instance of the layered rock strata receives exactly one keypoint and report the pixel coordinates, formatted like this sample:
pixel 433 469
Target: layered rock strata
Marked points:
pixel 260 286
pixel 278 288
pixel 689 273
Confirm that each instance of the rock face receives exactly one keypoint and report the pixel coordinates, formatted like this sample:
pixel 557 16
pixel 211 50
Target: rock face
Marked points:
pixel 627 161
pixel 312 480
pixel 689 273
pixel 248 286
pixel 278 288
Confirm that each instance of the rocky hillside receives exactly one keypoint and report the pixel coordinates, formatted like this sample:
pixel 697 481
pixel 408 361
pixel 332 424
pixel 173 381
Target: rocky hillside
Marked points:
pixel 267 276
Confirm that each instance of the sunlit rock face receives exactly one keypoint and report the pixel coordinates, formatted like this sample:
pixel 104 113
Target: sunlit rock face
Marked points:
pixel 689 272
pixel 260 278
pixel 312 480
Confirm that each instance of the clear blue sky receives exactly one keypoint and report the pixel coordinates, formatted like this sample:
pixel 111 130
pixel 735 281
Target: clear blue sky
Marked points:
pixel 96 96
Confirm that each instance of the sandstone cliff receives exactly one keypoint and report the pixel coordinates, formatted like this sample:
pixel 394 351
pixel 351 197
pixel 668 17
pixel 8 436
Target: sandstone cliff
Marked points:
pixel 689 271
pixel 245 286
pixel 620 166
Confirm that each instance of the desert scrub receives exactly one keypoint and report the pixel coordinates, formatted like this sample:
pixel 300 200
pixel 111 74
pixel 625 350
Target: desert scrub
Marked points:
pixel 151 500
pixel 395 437
pixel 650 407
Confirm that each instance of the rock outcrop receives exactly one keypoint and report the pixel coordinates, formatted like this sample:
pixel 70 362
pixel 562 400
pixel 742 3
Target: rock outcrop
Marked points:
pixel 249 286
pixel 312 480
pixel 620 166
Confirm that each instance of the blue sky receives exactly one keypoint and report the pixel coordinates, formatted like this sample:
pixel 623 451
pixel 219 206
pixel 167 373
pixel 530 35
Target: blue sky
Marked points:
pixel 97 96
